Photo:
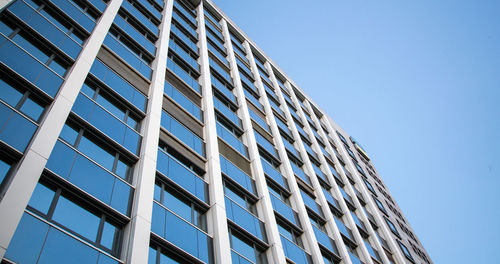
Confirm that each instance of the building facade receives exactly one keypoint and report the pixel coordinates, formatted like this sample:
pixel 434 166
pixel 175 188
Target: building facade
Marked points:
pixel 151 131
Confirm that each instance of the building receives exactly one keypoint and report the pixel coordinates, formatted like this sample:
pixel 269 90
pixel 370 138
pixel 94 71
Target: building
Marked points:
pixel 150 131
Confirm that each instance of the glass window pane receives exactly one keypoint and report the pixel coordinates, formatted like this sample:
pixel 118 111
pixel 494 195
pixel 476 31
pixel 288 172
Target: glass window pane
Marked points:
pixel 88 90
pixel 6 30
pixel 122 169
pixel 119 113
pixel 179 207
pixel 243 248
pixel 69 134
pixel 58 68
pixel 4 169
pixel 95 152
pixel 25 44
pixel 22 250
pixel 61 248
pixel 76 218
pixel 9 94
pixel 32 109
pixel 108 235
pixel 41 198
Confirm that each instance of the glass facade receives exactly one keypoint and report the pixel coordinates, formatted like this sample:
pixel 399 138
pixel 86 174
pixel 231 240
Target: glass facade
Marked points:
pixel 108 134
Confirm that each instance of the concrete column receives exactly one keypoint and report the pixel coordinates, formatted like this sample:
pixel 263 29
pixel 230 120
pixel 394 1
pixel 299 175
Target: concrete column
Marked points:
pixel 139 229
pixel 35 157
pixel 217 213
pixel 276 253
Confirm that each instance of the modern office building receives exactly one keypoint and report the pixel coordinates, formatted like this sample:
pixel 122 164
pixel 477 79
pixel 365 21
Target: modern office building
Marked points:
pixel 152 131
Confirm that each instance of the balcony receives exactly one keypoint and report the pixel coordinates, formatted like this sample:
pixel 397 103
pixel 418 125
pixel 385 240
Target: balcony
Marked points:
pixel 182 133
pixel 311 204
pixel 274 174
pixel 107 123
pixel 245 219
pixel 284 210
pixel 324 240
pixel 231 139
pixel 181 233
pixel 182 100
pixel 237 175
pixel 294 252
pixel 184 177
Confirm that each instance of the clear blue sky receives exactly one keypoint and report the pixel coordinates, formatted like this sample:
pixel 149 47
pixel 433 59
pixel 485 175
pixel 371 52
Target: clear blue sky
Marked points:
pixel 418 84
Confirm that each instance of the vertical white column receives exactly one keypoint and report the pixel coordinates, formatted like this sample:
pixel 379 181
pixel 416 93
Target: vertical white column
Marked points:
pixel 294 188
pixel 139 229
pixel 276 253
pixel 399 258
pixel 218 226
pixel 30 167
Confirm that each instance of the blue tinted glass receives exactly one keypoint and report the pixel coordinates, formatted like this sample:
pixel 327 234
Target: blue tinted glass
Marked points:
pixel 75 13
pixel 32 109
pixel 95 152
pixel 4 169
pixel 61 248
pixel 235 197
pixel 118 84
pixel 243 218
pixel 6 30
pixel 108 235
pixel 85 174
pixel 104 259
pixel 184 236
pixel 177 206
pixel 18 131
pixel 157 193
pixel 121 196
pixel 243 248
pixel 172 169
pixel 110 107
pixel 152 251
pixel 41 198
pixel 69 134
pixel 33 50
pixel 158 220
pixel 76 218
pixel 29 68
pixel 88 90
pixel 23 250
pixel 61 159
pixel 58 68
pixel 9 94
pixel 121 169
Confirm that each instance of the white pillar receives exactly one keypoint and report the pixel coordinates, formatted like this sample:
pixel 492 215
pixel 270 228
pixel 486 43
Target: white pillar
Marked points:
pixel 31 166
pixel 217 213
pixel 139 229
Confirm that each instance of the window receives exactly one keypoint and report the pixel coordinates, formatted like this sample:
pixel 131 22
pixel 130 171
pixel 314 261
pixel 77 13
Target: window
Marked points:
pixel 238 197
pixel 111 104
pixel 290 234
pixel 60 208
pixel 244 251
pixel 180 205
pixel 405 251
pixel 84 141
pixel 392 227
pixel 34 47
pixel 21 100
pixel 379 205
